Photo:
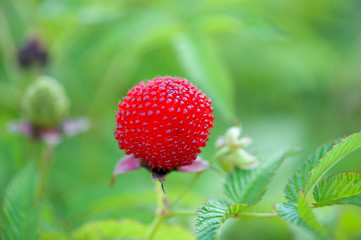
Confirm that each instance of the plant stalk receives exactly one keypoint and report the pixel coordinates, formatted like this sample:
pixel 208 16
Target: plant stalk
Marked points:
pixel 44 162
pixel 194 179
pixel 186 189
pixel 159 212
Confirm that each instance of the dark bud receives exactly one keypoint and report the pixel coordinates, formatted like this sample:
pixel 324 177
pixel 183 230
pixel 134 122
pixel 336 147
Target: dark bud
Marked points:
pixel 159 175
pixel 32 54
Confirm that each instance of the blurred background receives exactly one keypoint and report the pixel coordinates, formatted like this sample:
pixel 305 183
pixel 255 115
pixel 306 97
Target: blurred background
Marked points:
pixel 290 71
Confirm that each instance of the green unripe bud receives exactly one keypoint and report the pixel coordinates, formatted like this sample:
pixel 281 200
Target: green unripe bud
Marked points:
pixel 230 149
pixel 237 158
pixel 45 102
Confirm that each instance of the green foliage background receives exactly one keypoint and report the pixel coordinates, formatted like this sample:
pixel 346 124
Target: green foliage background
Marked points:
pixel 289 70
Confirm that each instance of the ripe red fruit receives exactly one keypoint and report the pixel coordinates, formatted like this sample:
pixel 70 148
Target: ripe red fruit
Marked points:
pixel 164 122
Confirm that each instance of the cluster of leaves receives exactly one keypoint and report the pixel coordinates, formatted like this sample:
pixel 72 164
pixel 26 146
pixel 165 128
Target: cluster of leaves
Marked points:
pixel 26 216
pixel 246 187
pixel 243 189
pixel 342 188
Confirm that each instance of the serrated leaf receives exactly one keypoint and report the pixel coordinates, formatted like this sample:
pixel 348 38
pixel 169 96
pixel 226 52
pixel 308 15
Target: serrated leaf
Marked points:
pixel 202 66
pixel 338 152
pixel 355 200
pixel 298 180
pixel 212 215
pixel 300 215
pixel 19 211
pixel 248 186
pixel 127 229
pixel 338 187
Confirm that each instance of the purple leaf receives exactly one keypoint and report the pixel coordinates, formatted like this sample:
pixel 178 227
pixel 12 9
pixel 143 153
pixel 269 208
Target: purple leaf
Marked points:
pixel 20 127
pixel 50 136
pixel 197 165
pixel 126 164
pixel 74 126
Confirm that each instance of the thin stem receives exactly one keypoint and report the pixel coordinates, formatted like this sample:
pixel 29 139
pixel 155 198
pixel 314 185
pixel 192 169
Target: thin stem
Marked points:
pixel 180 214
pixel 186 189
pixel 154 227
pixel 218 154
pixel 159 213
pixel 256 215
pixel 196 176
pixel 44 165
pixel 160 194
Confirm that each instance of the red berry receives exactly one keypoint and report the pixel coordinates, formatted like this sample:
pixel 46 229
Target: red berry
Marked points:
pixel 164 122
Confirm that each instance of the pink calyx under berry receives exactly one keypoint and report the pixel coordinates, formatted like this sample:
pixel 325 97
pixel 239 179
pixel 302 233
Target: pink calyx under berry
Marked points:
pixel 164 123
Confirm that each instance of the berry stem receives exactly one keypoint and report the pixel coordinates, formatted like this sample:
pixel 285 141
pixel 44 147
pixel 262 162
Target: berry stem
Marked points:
pixel 160 212
pixel 43 166
pixel 154 227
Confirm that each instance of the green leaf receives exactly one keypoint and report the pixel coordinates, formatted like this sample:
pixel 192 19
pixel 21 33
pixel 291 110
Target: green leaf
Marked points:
pixel 355 200
pixel 298 180
pixel 50 227
pixel 300 215
pixel 53 236
pixel 127 229
pixel 202 66
pixel 19 211
pixel 339 151
pixel 336 188
pixel 212 215
pixel 248 186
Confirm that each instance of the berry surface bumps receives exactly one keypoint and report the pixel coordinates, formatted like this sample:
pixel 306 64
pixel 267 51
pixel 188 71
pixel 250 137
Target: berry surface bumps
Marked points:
pixel 164 122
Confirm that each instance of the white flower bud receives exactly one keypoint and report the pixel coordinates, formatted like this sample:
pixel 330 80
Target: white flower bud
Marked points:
pixel 231 152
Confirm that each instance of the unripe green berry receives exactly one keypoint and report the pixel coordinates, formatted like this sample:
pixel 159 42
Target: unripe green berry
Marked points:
pixel 45 102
